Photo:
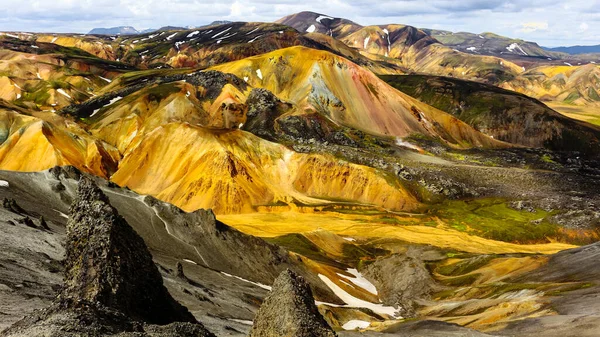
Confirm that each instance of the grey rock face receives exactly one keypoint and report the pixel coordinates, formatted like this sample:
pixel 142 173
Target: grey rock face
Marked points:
pixel 112 286
pixel 402 280
pixel 290 311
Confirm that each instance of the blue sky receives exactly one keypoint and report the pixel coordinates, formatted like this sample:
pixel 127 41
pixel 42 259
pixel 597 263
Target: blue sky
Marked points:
pixel 548 22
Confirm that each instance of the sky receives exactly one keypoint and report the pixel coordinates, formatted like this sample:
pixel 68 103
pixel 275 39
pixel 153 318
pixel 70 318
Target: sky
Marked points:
pixel 550 23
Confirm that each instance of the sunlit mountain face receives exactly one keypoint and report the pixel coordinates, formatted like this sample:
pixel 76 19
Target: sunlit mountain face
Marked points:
pixel 311 176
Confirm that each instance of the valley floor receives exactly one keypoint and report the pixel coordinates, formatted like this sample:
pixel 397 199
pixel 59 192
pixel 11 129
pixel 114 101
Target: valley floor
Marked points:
pixel 405 227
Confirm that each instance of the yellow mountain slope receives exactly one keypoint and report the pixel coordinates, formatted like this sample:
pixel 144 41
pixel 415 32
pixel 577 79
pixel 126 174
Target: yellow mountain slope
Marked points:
pixel 235 171
pixel 32 143
pixel 317 81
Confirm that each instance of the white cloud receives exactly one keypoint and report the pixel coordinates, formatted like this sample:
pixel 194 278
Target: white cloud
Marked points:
pixel 529 27
pixel 572 21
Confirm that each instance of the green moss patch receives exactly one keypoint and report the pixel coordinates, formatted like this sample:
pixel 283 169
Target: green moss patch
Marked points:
pixel 492 218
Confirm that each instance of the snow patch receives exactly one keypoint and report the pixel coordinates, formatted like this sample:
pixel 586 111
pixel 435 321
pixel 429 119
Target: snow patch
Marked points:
pixel 360 280
pixel 54 40
pixel 38 76
pixel 311 29
pixel 349 239
pixel 569 64
pixel 118 98
pixel 366 42
pixel 472 49
pixel 323 17
pixel 221 33
pixel 252 31
pixel 62 92
pixel 481 37
pixel 401 142
pixel 35 47
pixel 266 287
pixel 61 214
pixel 4 183
pixel 246 78
pixel 171 36
pixel 106 79
pixel 514 46
pixel 354 302
pixel 190 261
pixel 355 324
pixel 259 74
pixel 254 39
pixel 196 32
pixel 241 321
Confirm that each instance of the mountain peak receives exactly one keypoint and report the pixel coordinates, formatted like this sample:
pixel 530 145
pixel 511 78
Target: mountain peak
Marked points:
pixel 120 30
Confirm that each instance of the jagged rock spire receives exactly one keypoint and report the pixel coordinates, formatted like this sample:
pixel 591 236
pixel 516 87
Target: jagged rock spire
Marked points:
pixel 290 311
pixel 108 263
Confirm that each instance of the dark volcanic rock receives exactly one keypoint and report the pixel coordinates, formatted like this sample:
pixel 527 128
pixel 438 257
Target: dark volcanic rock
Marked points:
pixel 263 109
pixel 43 223
pixel 105 260
pixel 290 311
pixel 28 222
pixel 11 205
pixel 179 270
pixel 111 285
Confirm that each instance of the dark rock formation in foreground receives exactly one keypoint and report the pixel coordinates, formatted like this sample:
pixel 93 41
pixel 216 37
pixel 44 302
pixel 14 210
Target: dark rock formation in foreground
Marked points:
pixel 290 311
pixel 111 286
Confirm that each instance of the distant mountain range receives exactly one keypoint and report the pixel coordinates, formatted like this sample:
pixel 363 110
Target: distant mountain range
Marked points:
pixel 574 50
pixel 129 30
pixel 121 30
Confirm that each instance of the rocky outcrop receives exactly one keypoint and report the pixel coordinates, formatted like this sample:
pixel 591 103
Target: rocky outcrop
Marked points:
pixel 111 284
pixel 263 109
pixel 105 260
pixel 290 311
pixel 403 280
